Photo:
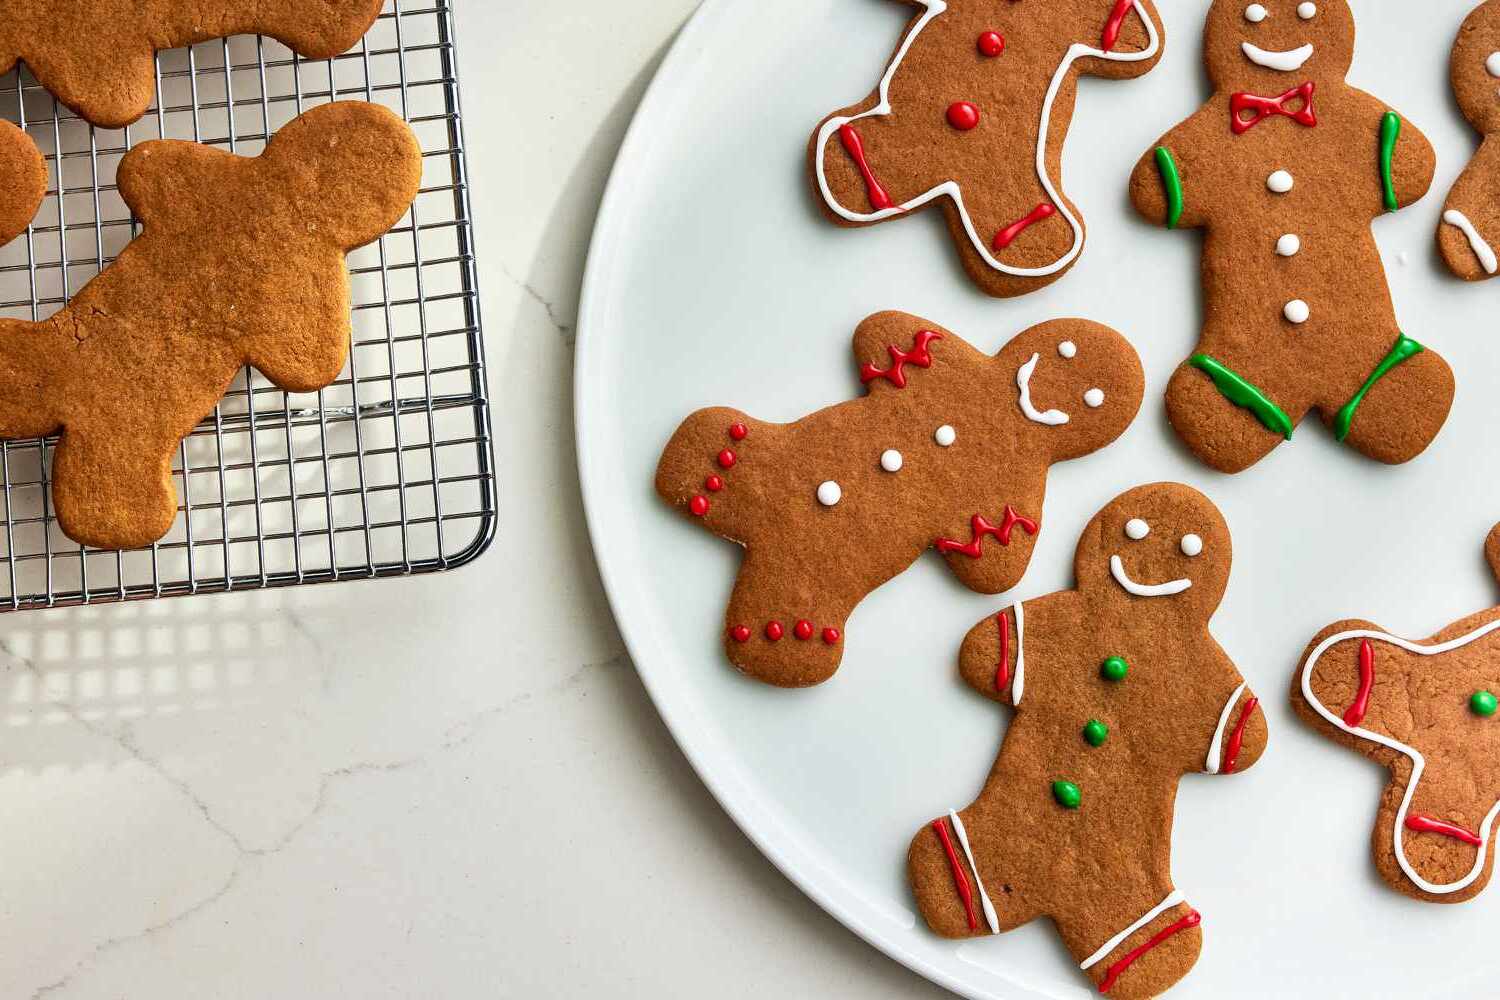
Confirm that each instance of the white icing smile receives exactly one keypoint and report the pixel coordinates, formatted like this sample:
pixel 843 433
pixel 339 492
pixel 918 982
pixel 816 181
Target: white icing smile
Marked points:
pixel 1284 62
pixel 1051 418
pixel 1172 589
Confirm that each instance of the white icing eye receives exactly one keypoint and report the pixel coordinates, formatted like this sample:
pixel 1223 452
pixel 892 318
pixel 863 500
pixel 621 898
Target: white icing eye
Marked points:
pixel 945 436
pixel 1297 311
pixel 830 493
pixel 891 460
pixel 1068 349
pixel 1492 64
pixel 1255 13
pixel 1307 11
pixel 1281 182
pixel 1136 529
pixel 1094 398
pixel 1192 546
pixel 1289 245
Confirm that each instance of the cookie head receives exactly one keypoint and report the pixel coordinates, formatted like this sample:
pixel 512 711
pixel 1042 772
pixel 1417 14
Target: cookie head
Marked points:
pixel 1476 67
pixel 1270 46
pixel 1161 546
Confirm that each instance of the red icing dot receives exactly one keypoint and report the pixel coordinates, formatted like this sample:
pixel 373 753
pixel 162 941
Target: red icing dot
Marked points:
pixel 831 636
pixel 991 43
pixel 739 432
pixel 714 484
pixel 699 506
pixel 804 630
pixel 963 115
pixel 740 633
pixel 774 631
pixel 727 459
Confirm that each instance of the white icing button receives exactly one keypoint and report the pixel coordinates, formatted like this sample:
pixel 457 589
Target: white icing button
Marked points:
pixel 1492 64
pixel 1297 311
pixel 1307 11
pixel 945 436
pixel 1289 245
pixel 1255 13
pixel 1068 349
pixel 1281 182
pixel 1192 546
pixel 1136 529
pixel 1094 398
pixel 891 460
pixel 830 493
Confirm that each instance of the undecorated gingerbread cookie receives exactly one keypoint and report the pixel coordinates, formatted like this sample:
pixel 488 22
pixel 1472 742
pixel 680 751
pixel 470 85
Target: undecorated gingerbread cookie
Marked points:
pixel 98 56
pixel 240 261
pixel 23 181
pixel 1471 219
pixel 949 450
pixel 1427 711
pixel 1119 690
pixel 1285 167
pixel 972 113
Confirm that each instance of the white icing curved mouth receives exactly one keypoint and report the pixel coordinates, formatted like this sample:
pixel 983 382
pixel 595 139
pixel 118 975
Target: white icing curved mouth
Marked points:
pixel 1172 589
pixel 1051 418
pixel 1286 62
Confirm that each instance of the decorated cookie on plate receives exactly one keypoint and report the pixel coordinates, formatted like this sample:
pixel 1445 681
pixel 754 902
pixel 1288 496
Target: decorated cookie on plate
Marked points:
pixel 1119 691
pixel 23 181
pixel 1470 229
pixel 1430 712
pixel 1285 167
pixel 971 114
pixel 948 450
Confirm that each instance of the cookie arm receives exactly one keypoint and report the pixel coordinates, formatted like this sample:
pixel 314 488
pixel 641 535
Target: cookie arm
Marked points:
pixel 1407 162
pixel 992 655
pixel 1164 181
pixel 1240 734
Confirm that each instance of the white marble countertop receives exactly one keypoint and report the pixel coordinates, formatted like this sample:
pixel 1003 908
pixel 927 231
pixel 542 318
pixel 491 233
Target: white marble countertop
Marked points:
pixel 447 787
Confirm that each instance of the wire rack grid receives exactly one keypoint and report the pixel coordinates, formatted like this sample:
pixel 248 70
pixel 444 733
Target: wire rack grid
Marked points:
pixel 390 470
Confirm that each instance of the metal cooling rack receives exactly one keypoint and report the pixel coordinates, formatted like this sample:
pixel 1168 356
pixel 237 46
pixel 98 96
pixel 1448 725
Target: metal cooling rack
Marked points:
pixel 388 472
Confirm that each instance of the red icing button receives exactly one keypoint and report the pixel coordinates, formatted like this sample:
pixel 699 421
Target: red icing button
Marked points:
pixel 699 506
pixel 740 633
pixel 774 631
pixel 963 115
pixel 804 630
pixel 991 43
pixel 831 636
pixel 714 484
pixel 727 459
pixel 739 432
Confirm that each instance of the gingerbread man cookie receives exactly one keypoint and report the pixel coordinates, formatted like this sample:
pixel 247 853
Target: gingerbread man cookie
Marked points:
pixel 1427 711
pixel 949 450
pixel 1285 167
pixel 1119 690
pixel 98 56
pixel 973 112
pixel 240 261
pixel 1471 219
pixel 23 181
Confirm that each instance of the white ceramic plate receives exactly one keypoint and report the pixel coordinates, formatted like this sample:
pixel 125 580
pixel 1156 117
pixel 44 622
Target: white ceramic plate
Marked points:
pixel 714 280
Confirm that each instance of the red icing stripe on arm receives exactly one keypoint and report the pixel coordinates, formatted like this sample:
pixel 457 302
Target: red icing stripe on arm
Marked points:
pixel 855 147
pixel 1193 919
pixel 920 356
pixel 1356 713
pixel 1115 24
pixel 1426 824
pixel 1237 738
pixel 1002 672
pixel 981 527
pixel 959 878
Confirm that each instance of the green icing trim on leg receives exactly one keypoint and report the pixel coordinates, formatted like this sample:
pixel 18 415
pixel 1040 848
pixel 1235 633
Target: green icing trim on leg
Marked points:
pixel 1405 350
pixel 1242 393
pixel 1172 181
pixel 1390 131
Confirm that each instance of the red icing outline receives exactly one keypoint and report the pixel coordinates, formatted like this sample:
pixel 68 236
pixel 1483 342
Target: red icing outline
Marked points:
pixel 1266 107
pixel 981 527
pixel 1193 919
pixel 1356 713
pixel 1426 824
pixel 1115 24
pixel 960 880
pixel 919 356
pixel 1010 233
pixel 1002 672
pixel 1237 739
pixel 855 147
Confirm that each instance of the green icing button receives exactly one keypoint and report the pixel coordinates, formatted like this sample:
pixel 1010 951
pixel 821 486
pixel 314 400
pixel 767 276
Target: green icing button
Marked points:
pixel 1483 704
pixel 1067 794
pixel 1096 733
pixel 1115 668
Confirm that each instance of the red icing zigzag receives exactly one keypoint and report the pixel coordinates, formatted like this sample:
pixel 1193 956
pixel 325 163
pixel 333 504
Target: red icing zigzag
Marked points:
pixel 982 527
pixel 919 356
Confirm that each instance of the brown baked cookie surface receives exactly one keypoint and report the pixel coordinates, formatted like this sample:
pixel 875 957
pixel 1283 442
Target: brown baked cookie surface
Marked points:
pixel 1471 218
pixel 1285 168
pixel 1119 691
pixel 1427 711
pixel 972 114
pixel 23 181
pixel 949 450
pixel 97 56
pixel 240 261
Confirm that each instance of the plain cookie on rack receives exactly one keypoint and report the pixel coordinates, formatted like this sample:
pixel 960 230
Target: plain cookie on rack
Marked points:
pixel 25 181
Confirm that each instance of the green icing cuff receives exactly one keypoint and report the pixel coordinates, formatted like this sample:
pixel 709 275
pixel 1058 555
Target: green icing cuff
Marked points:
pixel 1241 393
pixel 1405 350
pixel 1390 131
pixel 1172 181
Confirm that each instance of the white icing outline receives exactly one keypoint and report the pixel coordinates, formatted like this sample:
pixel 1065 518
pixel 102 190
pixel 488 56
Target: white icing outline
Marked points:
pixel 963 838
pixel 1217 746
pixel 1289 61
pixel 1418 762
pixel 1018 686
pixel 951 189
pixel 1052 418
pixel 1175 899
pixel 1171 589
pixel 1480 245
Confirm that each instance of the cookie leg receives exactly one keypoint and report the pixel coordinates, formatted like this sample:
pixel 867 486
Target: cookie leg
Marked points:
pixel 1146 957
pixel 1401 408
pixel 1224 419
pixel 1031 235
pixel 110 492
pixel 783 628
pixel 959 889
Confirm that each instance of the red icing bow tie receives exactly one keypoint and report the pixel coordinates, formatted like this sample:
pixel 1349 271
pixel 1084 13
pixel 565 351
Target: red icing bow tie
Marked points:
pixel 1262 108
